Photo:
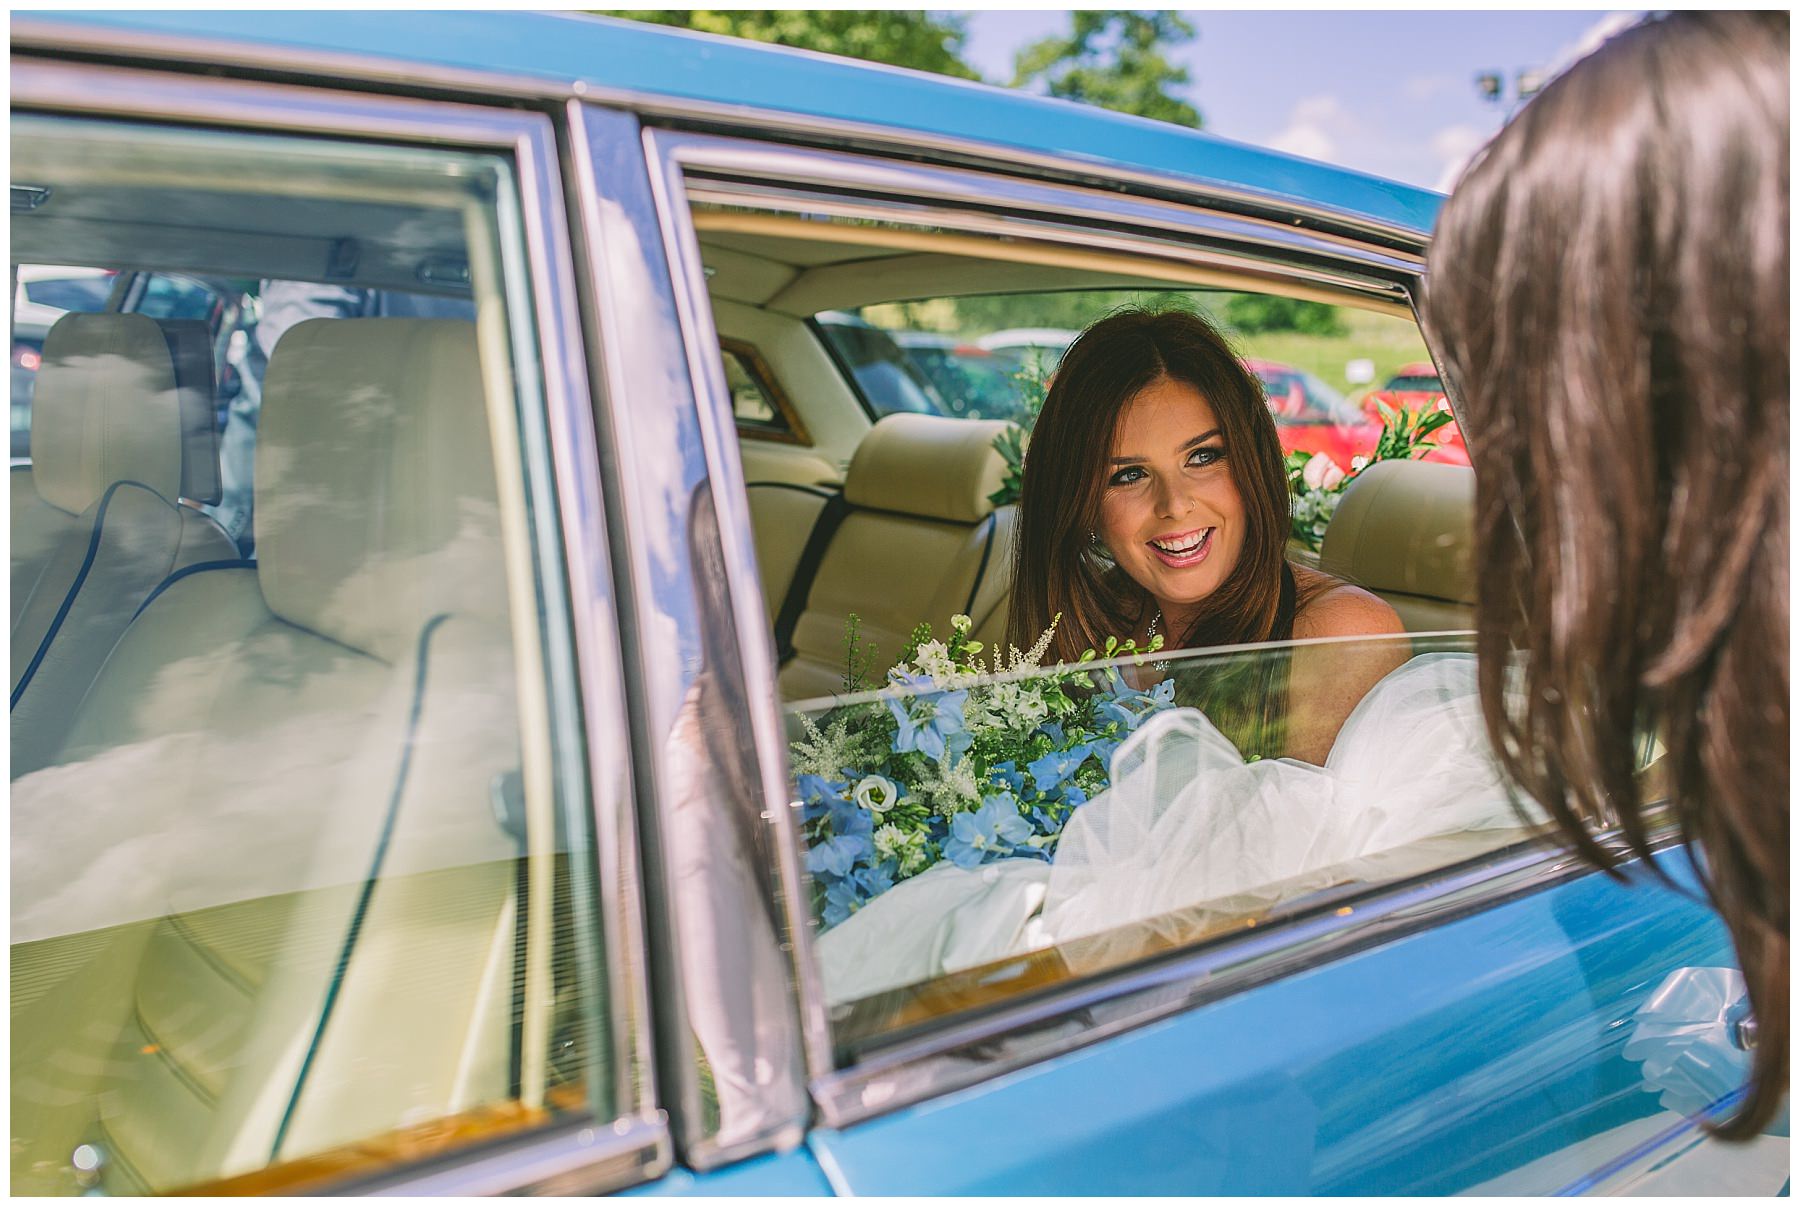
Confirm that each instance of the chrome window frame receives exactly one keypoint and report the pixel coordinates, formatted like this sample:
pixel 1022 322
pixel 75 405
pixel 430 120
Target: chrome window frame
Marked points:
pixel 573 1156
pixel 964 1052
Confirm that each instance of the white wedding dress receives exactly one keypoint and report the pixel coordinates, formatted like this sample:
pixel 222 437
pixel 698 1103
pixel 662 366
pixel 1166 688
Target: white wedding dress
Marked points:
pixel 1188 822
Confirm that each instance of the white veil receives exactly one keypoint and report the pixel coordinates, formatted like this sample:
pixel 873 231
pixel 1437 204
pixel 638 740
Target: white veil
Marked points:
pixel 1188 824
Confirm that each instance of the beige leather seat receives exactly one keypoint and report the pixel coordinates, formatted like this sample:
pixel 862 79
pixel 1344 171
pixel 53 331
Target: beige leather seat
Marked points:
pixel 1404 531
pixel 201 979
pixel 921 542
pixel 122 430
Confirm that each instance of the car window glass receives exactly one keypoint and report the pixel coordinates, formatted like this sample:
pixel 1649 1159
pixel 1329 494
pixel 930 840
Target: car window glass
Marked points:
pixel 86 294
pixel 969 833
pixel 299 888
pixel 750 402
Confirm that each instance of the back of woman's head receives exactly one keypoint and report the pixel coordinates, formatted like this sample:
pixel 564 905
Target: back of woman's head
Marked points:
pixel 1058 567
pixel 1609 285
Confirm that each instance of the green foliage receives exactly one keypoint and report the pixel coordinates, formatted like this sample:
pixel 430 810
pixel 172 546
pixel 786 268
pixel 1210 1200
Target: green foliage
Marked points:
pixel 1034 384
pixel 1114 58
pixel 1251 313
pixel 859 656
pixel 1071 310
pixel 1402 432
pixel 923 41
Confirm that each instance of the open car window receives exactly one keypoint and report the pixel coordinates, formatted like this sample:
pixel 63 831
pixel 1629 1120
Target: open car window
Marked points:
pixel 974 830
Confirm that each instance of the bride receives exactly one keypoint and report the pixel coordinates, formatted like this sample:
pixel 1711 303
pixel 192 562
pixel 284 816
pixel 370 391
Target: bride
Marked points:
pixel 1154 502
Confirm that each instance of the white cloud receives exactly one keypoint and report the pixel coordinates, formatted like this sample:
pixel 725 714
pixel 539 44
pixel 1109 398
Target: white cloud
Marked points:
pixel 1315 128
pixel 1424 87
pixel 1455 146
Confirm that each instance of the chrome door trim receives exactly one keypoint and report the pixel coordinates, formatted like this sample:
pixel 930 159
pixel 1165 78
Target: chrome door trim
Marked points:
pixel 655 431
pixel 755 164
pixel 572 520
pixel 963 1054
pixel 573 1159
pixel 714 397
pixel 744 120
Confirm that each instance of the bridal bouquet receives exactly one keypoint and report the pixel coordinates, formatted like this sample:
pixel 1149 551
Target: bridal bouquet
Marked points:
pixel 951 766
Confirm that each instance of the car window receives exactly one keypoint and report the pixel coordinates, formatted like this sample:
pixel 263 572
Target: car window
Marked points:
pixel 1415 383
pixel 301 879
pixel 757 403
pixel 969 831
pixel 940 767
pixel 84 293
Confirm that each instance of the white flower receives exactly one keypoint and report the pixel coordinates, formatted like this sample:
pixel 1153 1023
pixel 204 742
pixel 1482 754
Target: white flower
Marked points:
pixel 960 623
pixel 1358 463
pixel 876 793
pixel 1321 472
pixel 933 660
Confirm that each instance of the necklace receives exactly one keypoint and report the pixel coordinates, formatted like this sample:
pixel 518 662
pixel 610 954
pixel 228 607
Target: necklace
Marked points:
pixel 1149 637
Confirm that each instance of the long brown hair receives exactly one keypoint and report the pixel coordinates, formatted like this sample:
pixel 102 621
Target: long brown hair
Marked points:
pixel 1059 568
pixel 1609 285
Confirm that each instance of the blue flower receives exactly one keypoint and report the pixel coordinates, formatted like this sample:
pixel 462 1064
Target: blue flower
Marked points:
pixel 849 818
pixel 1128 706
pixel 835 856
pixel 1057 766
pixel 817 794
pixel 1008 773
pixel 993 829
pixel 846 894
pixel 930 722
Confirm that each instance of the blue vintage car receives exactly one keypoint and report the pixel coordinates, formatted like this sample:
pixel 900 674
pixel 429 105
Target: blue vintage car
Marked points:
pixel 438 765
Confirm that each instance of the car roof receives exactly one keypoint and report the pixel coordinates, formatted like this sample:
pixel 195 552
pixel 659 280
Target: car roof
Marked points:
pixel 1418 368
pixel 607 57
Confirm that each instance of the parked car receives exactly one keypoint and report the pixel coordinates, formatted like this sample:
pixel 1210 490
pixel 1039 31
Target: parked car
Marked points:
pixel 1050 342
pixel 452 843
pixel 1416 387
pixel 974 381
pixel 1312 417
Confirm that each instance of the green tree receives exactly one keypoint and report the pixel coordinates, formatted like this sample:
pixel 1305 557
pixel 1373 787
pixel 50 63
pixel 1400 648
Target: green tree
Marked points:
pixel 1253 313
pixel 924 41
pixel 1114 58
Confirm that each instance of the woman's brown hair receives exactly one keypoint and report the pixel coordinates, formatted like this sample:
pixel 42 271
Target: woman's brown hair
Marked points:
pixel 1059 567
pixel 1609 285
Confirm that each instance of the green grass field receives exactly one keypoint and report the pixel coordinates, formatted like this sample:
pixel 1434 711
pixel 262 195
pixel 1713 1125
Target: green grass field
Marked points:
pixel 1389 342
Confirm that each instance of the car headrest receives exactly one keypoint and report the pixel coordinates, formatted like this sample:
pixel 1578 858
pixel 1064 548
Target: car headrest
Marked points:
pixel 106 408
pixel 928 465
pixel 1406 526
pixel 376 507
pixel 191 348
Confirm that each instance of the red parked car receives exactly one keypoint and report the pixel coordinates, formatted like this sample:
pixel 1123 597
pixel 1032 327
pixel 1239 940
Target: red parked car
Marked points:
pixel 1312 417
pixel 1416 387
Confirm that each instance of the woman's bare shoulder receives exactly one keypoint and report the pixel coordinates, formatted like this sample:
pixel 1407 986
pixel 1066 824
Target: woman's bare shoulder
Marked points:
pixel 1335 608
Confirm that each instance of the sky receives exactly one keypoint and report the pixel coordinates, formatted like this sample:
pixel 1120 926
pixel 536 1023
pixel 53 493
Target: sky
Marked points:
pixel 1390 93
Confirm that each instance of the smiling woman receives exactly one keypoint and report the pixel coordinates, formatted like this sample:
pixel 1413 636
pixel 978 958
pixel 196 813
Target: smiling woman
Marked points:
pixel 1155 503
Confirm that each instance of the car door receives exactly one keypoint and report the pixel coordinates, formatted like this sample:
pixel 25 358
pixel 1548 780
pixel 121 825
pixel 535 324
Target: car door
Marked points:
pixel 1445 1015
pixel 326 875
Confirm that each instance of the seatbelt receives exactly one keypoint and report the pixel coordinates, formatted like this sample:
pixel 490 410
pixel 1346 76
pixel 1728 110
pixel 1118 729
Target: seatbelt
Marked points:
pixel 830 516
